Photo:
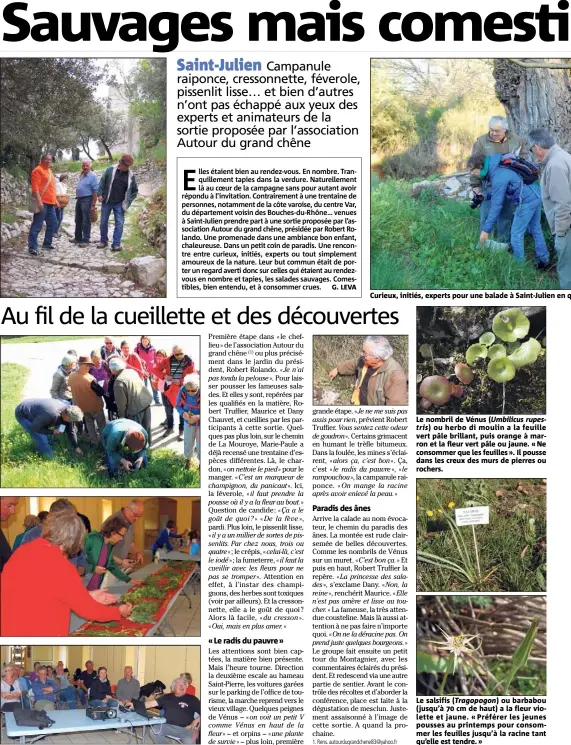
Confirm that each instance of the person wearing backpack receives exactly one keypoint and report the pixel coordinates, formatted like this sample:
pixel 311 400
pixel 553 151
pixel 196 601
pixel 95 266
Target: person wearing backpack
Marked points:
pixel 555 164
pixel 498 139
pixel 503 173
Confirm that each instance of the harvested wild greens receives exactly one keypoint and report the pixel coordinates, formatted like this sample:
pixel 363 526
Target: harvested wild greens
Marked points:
pixel 145 613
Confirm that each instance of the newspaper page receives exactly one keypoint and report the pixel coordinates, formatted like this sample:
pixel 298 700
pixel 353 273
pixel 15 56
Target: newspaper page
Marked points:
pixel 277 284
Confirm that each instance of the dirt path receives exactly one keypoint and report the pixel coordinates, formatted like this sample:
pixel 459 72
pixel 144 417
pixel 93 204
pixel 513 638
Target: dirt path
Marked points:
pixel 67 270
pixel 43 358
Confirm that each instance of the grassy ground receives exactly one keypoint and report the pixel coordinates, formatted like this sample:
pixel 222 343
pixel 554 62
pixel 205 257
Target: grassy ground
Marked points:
pixel 136 242
pixel 23 467
pixel 40 339
pixel 329 351
pixel 512 548
pixel 429 243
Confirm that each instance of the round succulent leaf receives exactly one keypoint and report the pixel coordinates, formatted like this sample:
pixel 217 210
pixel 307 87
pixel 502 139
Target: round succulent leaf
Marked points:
pixel 511 324
pixel 501 369
pixel 513 345
pixel 464 373
pixel 497 350
pixel 425 351
pixel 527 353
pixel 487 339
pixel 475 351
pixel 436 389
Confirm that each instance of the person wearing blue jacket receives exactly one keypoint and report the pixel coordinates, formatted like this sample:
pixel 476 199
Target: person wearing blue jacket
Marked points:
pixel 163 538
pixel 125 443
pixel 507 184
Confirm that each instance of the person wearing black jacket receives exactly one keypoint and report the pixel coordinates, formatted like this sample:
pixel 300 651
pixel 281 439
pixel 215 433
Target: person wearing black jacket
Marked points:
pixel 100 690
pixel 182 713
pixel 41 417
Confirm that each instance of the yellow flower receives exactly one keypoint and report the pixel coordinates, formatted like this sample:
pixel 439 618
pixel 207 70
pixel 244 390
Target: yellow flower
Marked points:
pixel 430 513
pixel 440 512
pixel 451 504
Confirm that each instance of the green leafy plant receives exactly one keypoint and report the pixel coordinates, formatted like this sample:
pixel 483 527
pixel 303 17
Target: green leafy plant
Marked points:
pixel 145 613
pixel 468 564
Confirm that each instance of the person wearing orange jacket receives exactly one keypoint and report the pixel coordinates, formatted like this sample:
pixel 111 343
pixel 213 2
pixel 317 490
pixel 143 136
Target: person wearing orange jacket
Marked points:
pixel 43 185
pixel 173 370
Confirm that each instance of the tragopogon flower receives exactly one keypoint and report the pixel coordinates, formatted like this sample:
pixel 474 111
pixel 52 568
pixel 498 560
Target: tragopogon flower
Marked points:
pixel 458 645
pixel 451 504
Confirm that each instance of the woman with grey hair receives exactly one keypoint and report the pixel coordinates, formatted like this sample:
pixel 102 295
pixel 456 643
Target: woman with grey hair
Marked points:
pixel 11 692
pixel 379 378
pixel 60 389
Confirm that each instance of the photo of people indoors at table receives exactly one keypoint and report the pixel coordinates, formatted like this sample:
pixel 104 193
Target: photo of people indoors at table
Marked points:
pixel 99 566
pixel 100 412
pixel 100 694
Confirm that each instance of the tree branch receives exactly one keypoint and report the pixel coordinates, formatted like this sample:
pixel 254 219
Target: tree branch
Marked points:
pixel 545 65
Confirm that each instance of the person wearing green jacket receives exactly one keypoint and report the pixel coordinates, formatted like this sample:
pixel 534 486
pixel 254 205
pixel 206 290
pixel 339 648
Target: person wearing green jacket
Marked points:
pixel 98 547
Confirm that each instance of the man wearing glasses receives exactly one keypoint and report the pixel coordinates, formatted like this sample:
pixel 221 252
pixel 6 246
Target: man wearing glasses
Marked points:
pixel 173 371
pixel 498 139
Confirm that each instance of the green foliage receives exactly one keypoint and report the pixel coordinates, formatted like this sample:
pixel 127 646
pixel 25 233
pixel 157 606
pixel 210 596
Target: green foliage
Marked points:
pixel 147 95
pixel 32 90
pixel 426 114
pixel 511 547
pixel 429 243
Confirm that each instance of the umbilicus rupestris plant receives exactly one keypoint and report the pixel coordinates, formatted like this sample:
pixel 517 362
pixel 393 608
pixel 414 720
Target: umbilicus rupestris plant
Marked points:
pixel 510 326
pixel 436 389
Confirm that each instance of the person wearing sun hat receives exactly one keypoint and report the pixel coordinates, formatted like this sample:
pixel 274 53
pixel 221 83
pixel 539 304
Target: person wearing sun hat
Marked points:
pixel 88 395
pixel 125 443
pixel 117 191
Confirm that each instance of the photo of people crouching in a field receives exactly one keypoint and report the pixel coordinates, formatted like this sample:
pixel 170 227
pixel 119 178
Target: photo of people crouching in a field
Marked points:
pixel 470 174
pixel 481 645
pixel 360 371
pixel 90 411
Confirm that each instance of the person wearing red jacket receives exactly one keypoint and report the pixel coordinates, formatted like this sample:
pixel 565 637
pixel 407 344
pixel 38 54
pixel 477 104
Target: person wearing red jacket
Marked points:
pixel 134 361
pixel 39 587
pixel 172 371
pixel 148 354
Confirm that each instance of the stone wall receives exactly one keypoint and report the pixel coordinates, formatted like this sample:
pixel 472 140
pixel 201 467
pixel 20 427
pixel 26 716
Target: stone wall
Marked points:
pixel 453 187
pixel 13 191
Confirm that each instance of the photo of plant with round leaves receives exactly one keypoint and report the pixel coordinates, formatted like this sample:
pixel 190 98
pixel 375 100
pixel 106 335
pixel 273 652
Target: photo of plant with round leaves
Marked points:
pixel 458 550
pixel 481 645
pixel 481 360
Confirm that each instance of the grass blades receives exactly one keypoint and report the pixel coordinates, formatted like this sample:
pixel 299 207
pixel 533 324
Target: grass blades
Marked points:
pixel 521 655
pixel 429 243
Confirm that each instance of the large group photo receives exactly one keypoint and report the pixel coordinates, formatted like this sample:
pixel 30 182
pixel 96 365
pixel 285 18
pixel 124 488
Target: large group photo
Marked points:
pixel 103 567
pixel 83 175
pixel 100 694
pixel 100 411
pixel 470 174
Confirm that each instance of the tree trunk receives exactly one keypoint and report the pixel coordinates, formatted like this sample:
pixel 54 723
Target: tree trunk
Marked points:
pixel 85 147
pixel 535 97
pixel 106 148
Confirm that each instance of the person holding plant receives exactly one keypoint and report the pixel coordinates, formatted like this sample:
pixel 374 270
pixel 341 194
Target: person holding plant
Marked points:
pixel 45 418
pixel 379 379
pixel 506 184
pixel 39 575
pixel 125 444
pixel 188 407
pixel 98 546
